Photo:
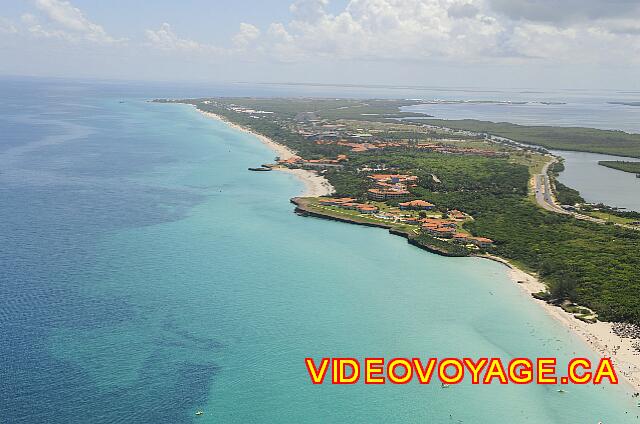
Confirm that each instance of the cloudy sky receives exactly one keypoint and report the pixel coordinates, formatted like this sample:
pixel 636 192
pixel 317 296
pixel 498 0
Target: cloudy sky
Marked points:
pixel 482 43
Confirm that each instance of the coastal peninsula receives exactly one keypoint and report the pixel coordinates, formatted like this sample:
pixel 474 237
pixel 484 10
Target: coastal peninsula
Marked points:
pixel 456 192
pixel 579 139
pixel 624 166
pixel 315 185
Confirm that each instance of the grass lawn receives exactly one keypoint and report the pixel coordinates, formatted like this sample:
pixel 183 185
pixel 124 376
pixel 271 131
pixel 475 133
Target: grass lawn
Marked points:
pixel 612 218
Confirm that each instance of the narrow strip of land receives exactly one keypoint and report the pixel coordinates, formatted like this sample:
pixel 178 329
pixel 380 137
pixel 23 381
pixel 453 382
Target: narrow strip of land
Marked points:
pixel 542 186
pixel 490 197
pixel 543 193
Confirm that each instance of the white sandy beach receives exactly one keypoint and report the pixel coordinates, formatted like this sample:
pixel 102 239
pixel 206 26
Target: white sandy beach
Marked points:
pixel 599 336
pixel 315 185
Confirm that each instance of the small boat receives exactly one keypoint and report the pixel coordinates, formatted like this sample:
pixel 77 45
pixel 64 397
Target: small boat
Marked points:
pixel 199 413
pixel 561 391
pixel 444 386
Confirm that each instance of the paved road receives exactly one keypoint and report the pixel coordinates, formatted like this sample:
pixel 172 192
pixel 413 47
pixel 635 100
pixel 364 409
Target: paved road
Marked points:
pixel 544 194
pixel 545 199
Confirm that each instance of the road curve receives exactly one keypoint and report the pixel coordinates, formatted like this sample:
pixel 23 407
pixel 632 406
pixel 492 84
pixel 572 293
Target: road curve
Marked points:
pixel 544 198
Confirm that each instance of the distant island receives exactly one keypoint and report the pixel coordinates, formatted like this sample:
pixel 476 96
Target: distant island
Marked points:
pixel 625 103
pixel 577 139
pixel 490 102
pixel 633 167
pixel 453 188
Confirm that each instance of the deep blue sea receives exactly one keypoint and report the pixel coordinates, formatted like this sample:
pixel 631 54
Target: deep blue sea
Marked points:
pixel 145 274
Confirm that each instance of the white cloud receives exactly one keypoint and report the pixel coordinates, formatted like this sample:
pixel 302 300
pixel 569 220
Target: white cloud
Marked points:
pixel 462 10
pixel 555 11
pixel 7 27
pixel 166 39
pixel 247 34
pixel 64 21
pixel 308 10
pixel 371 35
pixel 393 29
pixel 442 30
pixel 34 27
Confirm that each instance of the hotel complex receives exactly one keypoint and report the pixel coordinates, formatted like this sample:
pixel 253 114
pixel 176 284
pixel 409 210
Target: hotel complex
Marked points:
pixel 394 188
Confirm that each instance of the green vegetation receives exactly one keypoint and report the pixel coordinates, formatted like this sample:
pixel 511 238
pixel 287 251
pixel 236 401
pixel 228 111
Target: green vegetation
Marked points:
pixel 564 194
pixel 379 110
pixel 431 243
pixel 562 138
pixel 276 131
pixel 411 231
pixel 633 167
pixel 567 195
pixel 607 216
pixel 590 264
pixel 613 215
pixel 594 265
pixel 356 216
pixel 364 110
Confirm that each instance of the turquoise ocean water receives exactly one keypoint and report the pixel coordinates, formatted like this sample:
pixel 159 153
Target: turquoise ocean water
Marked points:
pixel 146 274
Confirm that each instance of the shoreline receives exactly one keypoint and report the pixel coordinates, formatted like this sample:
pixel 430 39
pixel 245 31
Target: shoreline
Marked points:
pixel 598 336
pixel 314 185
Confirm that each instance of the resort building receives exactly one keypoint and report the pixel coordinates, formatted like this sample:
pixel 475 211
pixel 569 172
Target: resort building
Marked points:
pixel 436 231
pixel 367 209
pixel 457 215
pixel 349 203
pixel 358 147
pixel 419 205
pixel 382 195
pixel 461 238
pixel 452 150
pixel 296 161
pixel 481 242
pixel 293 160
pixel 320 165
pixel 328 201
pixel 410 220
pixel 438 222
pixel 394 178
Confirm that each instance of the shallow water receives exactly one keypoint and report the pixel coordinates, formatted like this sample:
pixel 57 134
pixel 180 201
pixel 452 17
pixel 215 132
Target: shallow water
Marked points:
pixel 146 274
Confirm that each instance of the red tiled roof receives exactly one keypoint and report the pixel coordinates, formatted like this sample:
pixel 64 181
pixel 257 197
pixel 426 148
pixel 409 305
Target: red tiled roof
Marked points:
pixel 416 203
pixel 375 190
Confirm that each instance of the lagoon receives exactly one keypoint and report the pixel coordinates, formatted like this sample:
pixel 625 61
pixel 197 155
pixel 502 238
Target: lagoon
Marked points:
pixel 599 184
pixel 586 108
